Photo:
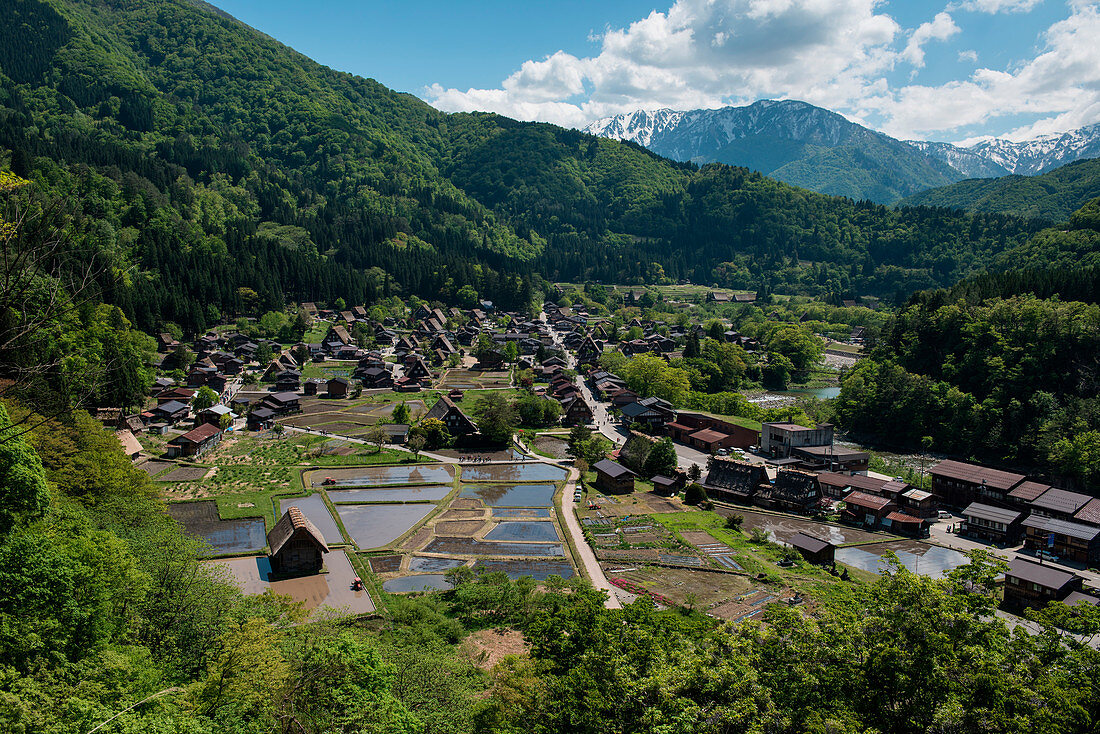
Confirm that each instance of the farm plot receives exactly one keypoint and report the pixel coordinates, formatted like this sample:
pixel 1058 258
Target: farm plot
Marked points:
pixel 529 472
pixel 471 547
pixel 416 474
pixel 223 536
pixel 373 526
pixel 538 570
pixel 418 564
pixel 512 495
pixel 385 564
pixel 186 474
pixel 404 494
pixel 681 585
pixel 152 468
pixel 523 531
pixel 419 582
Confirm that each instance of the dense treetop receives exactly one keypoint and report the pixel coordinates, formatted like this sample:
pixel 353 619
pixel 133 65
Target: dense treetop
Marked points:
pixel 1053 195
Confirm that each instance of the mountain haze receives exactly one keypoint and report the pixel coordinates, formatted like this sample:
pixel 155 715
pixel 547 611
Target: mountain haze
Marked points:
pixel 790 141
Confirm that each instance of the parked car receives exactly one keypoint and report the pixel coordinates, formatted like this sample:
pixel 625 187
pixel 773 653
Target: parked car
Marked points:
pixel 945 515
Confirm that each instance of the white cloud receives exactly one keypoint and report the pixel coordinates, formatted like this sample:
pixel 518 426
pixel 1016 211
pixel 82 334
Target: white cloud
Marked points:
pixel 940 28
pixel 702 53
pixel 1061 84
pixel 996 6
pixel 839 54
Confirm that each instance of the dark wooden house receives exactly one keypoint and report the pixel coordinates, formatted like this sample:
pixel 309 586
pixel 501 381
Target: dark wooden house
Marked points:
pixel 814 550
pixel 1030 584
pixel 297 546
pixel 457 422
pixel 734 481
pixel 613 477
pixel 793 491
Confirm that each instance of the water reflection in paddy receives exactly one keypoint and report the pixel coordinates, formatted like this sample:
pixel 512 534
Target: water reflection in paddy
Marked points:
pixel 473 547
pixel 371 526
pixel 405 494
pixel 536 472
pixel 541 531
pixel 538 570
pixel 513 495
pixel 521 512
pixel 434 564
pixel 429 581
pixel 922 558
pixel 314 508
pixel 386 475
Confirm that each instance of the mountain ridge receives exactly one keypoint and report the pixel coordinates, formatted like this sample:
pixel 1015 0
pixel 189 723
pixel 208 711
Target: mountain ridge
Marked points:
pixel 817 148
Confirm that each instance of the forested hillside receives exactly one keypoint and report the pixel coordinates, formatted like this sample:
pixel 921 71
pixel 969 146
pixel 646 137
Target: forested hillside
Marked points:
pixel 1001 367
pixel 1053 195
pixel 205 162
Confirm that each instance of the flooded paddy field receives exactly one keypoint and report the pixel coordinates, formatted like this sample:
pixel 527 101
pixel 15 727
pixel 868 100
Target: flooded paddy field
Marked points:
pixel 314 508
pixel 512 495
pixel 782 527
pixel 521 512
pixel 373 526
pixel 421 582
pixel 923 558
pixel 331 590
pixel 405 494
pixel 469 546
pixel 368 476
pixel 418 564
pixel 537 570
pixel 532 472
pixel 524 531
pixel 223 536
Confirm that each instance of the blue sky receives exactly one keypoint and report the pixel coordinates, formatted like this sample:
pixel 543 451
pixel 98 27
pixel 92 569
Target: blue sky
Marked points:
pixel 950 71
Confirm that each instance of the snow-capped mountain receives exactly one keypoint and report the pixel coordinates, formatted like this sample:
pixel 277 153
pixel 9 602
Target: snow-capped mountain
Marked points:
pixel 1042 153
pixel 789 140
pixel 812 147
pixel 638 127
pixel 966 161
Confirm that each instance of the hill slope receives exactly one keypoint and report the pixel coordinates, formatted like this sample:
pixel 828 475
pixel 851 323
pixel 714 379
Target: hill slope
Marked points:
pixel 788 140
pixel 223 172
pixel 1053 196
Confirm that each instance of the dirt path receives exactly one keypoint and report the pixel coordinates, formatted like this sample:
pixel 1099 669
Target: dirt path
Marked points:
pixel 586 556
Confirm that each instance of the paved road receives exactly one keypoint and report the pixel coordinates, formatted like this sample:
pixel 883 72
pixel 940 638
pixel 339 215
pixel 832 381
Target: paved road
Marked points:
pixel 587 557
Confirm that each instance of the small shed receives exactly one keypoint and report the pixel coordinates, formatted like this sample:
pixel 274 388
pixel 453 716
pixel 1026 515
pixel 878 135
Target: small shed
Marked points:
pixel 612 476
pixel 667 486
pixel 338 387
pixel 814 550
pixel 297 546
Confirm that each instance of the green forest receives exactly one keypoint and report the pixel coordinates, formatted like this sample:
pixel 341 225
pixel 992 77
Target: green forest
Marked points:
pixel 1001 367
pixel 198 162
pixel 1053 196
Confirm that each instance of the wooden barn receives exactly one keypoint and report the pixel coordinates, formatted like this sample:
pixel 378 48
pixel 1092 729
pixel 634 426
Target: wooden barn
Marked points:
pixel 296 544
